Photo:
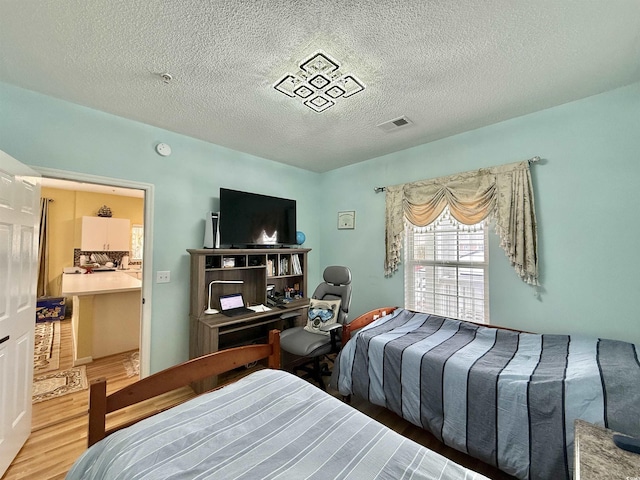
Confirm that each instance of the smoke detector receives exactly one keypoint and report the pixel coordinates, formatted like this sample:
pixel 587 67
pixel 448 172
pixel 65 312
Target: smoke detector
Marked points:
pixel 395 124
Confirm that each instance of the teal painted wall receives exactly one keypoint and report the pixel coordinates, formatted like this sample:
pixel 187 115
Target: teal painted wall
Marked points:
pixel 586 197
pixel 45 132
pixel 587 193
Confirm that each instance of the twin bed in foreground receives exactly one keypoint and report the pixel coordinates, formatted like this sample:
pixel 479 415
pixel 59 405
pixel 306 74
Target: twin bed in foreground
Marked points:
pixel 267 425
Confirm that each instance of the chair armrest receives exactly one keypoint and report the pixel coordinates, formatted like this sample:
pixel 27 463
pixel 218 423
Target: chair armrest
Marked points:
pixel 289 318
pixel 334 329
pixel 363 320
pixel 328 328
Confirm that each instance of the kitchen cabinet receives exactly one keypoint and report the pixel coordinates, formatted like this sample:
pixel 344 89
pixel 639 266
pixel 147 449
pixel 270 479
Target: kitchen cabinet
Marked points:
pixel 104 234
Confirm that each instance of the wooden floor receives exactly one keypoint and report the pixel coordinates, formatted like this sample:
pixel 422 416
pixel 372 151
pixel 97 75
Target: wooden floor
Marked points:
pixel 59 432
pixel 59 425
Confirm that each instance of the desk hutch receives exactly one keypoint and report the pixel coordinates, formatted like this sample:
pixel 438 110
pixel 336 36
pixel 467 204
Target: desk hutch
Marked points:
pixel 284 268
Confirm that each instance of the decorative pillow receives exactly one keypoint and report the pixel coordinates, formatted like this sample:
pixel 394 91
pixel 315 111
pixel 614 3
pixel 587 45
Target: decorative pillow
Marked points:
pixel 322 312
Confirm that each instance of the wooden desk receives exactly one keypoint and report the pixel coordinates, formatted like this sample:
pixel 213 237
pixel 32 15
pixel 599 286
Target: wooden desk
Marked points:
pixel 218 332
pixel 598 458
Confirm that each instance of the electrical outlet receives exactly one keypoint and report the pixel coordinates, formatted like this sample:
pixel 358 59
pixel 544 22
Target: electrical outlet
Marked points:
pixel 163 277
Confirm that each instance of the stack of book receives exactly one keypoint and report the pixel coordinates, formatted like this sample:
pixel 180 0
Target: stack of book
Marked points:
pixel 295 263
pixel 284 266
pixel 271 271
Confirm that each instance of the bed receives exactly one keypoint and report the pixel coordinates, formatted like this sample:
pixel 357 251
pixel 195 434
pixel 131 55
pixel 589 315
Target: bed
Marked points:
pixel 505 397
pixel 269 424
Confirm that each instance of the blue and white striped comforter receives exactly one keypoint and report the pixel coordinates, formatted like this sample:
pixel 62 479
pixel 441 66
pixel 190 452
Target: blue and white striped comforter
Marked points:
pixel 267 425
pixel 507 398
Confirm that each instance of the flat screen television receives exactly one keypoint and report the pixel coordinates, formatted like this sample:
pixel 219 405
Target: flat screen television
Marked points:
pixel 254 220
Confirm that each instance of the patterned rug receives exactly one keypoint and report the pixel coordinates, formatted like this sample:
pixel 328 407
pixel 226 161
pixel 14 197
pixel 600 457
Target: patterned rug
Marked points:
pixel 57 384
pixel 46 351
pixel 132 364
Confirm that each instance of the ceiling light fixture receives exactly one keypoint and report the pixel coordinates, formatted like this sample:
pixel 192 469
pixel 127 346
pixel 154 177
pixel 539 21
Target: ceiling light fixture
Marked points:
pixel 319 83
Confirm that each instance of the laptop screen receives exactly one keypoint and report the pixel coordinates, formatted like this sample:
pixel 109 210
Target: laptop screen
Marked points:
pixel 227 302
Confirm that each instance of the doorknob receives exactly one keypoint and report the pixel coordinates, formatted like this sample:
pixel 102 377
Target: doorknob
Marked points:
pixel 2 340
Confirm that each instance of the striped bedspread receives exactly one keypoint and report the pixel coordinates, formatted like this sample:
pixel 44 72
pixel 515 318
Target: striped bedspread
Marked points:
pixel 267 425
pixel 507 398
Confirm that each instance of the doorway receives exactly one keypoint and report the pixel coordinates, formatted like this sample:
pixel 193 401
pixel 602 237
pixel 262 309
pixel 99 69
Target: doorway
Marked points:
pixel 124 188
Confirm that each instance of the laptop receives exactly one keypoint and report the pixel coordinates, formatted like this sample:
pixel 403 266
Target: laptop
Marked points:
pixel 233 304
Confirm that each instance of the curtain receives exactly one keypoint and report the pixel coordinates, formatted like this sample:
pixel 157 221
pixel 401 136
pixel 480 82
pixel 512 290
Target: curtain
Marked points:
pixel 503 193
pixel 43 250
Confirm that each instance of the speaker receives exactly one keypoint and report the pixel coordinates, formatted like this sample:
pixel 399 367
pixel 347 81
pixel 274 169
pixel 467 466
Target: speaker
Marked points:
pixel 212 230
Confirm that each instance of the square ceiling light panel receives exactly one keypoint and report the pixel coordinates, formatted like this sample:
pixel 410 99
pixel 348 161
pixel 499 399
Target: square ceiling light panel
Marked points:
pixel 319 83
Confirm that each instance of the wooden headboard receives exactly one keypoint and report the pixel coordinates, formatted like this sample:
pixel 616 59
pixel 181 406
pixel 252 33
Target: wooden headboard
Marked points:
pixel 100 404
pixel 363 320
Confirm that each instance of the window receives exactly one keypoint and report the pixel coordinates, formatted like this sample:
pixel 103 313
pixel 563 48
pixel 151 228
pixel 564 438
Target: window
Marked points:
pixel 446 269
pixel 137 241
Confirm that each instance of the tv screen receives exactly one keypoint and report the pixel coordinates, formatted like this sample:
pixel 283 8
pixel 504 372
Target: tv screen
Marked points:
pixel 250 219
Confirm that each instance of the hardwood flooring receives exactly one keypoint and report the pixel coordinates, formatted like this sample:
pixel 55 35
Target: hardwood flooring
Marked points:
pixel 59 432
pixel 59 425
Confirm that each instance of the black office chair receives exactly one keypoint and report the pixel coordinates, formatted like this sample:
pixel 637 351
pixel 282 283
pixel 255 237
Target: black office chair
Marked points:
pixel 314 346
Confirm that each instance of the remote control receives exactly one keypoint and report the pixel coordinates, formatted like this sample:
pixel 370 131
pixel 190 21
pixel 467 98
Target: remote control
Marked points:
pixel 631 444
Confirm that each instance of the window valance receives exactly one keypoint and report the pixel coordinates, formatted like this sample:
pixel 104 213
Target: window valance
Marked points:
pixel 503 193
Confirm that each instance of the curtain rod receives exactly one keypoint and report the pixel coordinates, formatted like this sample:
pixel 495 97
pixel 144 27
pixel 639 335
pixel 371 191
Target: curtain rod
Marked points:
pixel 535 159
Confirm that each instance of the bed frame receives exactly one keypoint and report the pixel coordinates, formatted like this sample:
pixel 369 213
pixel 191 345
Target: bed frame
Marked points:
pixel 100 404
pixel 363 320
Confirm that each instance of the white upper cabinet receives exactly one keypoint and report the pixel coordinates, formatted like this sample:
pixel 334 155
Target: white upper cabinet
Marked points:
pixel 105 234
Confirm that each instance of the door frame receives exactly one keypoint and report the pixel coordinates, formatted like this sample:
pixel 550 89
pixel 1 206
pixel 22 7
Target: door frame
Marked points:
pixel 147 260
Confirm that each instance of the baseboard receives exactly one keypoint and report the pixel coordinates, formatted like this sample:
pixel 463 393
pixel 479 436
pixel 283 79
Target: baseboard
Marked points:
pixel 82 361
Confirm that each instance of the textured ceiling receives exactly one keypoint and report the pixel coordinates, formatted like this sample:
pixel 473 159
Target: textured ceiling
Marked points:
pixel 447 66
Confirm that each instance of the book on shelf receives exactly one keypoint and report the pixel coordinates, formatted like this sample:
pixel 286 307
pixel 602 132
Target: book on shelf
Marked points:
pixel 284 266
pixel 297 268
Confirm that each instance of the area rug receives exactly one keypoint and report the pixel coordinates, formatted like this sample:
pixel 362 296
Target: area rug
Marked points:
pixel 132 364
pixel 46 350
pixel 53 385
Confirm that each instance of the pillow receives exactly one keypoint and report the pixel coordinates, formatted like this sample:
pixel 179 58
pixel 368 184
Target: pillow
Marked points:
pixel 322 312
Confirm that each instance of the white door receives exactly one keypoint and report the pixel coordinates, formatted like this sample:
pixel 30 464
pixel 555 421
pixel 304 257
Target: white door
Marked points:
pixel 19 228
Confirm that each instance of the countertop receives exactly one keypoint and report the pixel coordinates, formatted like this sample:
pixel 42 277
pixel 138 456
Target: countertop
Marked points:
pixel 598 458
pixel 99 283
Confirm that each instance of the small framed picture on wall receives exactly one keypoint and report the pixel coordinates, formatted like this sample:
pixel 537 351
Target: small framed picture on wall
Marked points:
pixel 347 220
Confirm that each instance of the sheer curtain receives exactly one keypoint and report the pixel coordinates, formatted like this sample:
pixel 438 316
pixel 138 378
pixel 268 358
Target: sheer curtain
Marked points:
pixel 43 249
pixel 504 193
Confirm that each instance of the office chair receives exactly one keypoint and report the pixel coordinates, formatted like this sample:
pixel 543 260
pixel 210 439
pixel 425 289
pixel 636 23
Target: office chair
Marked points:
pixel 314 346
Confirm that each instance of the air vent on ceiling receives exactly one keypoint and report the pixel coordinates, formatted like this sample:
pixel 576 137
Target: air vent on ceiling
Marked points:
pixel 395 124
